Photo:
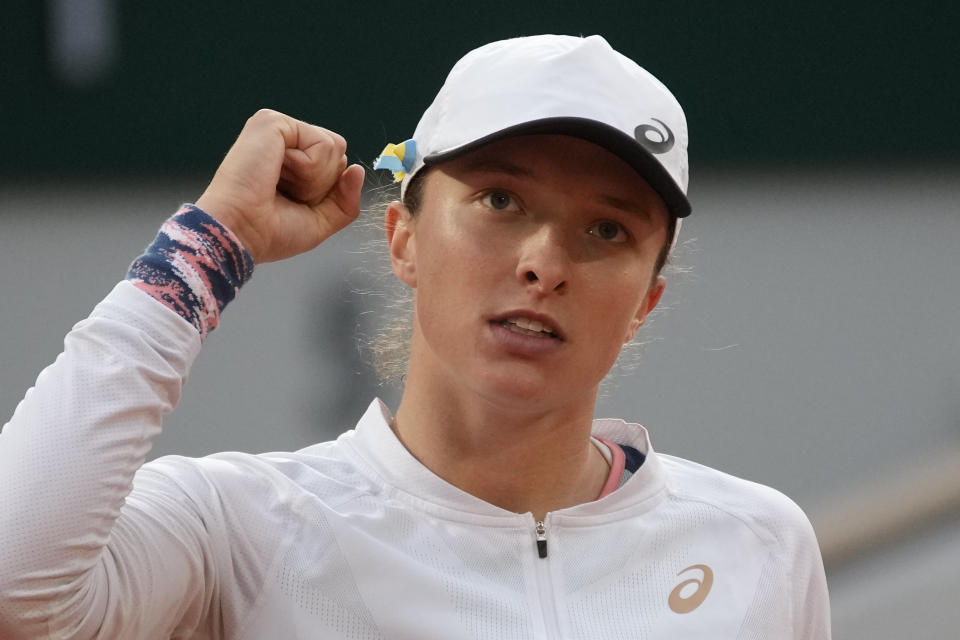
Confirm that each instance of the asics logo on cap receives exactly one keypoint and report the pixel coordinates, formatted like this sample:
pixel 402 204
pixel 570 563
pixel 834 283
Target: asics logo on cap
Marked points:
pixel 663 142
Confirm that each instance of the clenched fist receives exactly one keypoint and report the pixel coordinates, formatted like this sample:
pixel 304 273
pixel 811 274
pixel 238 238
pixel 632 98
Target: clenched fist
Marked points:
pixel 284 187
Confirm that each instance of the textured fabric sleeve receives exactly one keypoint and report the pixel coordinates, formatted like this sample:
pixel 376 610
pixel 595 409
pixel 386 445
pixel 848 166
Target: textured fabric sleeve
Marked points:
pixel 811 600
pixel 75 560
pixel 791 599
pixel 195 267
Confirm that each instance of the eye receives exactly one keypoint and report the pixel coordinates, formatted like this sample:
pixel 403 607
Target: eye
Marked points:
pixel 500 201
pixel 609 231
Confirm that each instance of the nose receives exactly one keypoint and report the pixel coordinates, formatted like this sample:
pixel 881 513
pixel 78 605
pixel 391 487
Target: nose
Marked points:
pixel 544 262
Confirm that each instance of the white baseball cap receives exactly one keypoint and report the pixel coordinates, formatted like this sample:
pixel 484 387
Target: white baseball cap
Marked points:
pixel 554 84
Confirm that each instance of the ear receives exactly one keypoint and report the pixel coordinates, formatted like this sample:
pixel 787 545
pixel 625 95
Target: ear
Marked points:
pixel 399 224
pixel 650 301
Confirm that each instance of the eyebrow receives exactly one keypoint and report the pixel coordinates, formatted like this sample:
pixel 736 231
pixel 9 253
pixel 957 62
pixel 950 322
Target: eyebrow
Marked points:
pixel 497 165
pixel 627 206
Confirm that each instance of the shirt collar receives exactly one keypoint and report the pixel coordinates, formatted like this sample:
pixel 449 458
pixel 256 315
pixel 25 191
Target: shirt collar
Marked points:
pixel 377 446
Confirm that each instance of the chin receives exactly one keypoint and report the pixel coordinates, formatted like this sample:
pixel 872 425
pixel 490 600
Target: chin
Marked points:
pixel 521 391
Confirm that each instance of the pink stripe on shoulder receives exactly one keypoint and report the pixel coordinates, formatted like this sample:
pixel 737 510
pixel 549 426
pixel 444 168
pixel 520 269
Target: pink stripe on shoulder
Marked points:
pixel 617 467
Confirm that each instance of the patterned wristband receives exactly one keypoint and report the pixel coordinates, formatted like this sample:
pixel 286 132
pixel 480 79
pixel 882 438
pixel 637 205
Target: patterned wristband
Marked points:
pixel 195 266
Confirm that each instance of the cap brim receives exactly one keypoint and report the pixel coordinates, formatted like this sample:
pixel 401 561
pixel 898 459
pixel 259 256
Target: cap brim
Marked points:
pixel 604 135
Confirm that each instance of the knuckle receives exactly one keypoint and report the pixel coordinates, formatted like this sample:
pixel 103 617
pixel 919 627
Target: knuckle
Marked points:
pixel 333 142
pixel 339 142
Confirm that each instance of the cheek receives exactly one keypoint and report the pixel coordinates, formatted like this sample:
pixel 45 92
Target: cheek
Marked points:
pixel 462 248
pixel 614 307
pixel 455 275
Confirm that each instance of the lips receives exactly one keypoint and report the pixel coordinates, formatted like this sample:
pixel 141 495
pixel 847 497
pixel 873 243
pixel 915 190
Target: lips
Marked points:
pixel 529 323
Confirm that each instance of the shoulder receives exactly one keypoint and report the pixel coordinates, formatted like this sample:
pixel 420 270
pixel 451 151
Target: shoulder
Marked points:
pixel 769 514
pixel 792 565
pixel 742 518
pixel 243 482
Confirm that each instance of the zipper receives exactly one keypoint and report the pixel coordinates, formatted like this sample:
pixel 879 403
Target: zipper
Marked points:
pixel 544 581
pixel 541 531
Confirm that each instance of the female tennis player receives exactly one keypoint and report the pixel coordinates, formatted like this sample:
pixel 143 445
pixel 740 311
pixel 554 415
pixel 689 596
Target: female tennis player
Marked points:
pixel 541 194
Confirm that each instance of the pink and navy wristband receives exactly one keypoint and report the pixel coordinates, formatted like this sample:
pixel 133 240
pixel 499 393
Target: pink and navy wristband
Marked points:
pixel 195 266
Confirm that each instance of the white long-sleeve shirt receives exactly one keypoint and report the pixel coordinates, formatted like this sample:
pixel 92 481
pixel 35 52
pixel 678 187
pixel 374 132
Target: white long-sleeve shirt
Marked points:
pixel 354 538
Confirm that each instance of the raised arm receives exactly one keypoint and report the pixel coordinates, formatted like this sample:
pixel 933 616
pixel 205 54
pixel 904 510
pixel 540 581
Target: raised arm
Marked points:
pixel 79 556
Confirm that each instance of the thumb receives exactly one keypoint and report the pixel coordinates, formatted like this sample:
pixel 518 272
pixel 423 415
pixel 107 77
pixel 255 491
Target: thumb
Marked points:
pixel 348 189
pixel 344 199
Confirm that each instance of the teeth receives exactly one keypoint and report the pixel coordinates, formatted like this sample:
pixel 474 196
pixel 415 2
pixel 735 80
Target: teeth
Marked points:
pixel 527 326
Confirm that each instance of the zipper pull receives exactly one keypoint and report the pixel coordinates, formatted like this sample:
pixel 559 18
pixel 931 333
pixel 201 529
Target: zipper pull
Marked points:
pixel 541 539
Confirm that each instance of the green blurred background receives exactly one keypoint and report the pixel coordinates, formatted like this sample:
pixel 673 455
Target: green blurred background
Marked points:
pixel 792 83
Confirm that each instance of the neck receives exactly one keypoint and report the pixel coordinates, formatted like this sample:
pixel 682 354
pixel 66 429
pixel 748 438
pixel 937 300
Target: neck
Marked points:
pixel 520 460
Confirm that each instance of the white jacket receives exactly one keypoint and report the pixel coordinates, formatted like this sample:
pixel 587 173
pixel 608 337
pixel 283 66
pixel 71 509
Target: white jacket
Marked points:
pixel 354 538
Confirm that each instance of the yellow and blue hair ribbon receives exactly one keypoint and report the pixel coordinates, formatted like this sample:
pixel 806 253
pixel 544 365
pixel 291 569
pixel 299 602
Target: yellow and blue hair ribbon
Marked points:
pixel 398 158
